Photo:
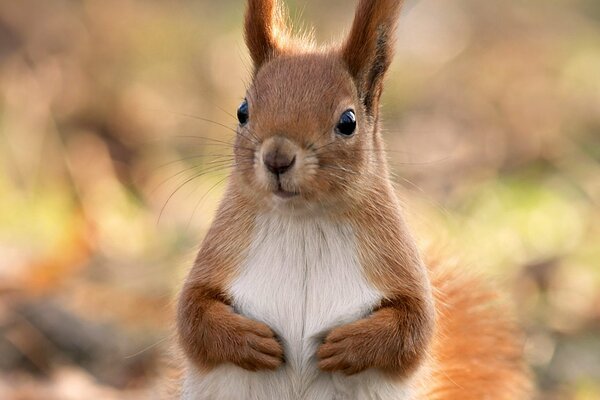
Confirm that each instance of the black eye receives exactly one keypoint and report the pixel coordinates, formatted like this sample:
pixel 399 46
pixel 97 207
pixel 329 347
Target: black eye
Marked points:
pixel 347 124
pixel 242 112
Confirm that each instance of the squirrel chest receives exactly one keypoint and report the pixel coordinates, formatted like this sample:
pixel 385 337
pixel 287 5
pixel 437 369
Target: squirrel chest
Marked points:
pixel 302 277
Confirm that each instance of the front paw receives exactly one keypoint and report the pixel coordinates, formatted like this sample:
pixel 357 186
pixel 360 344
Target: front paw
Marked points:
pixel 256 348
pixel 386 340
pixel 346 350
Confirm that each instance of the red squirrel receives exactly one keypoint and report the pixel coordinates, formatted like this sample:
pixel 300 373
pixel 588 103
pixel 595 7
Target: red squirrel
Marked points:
pixel 309 285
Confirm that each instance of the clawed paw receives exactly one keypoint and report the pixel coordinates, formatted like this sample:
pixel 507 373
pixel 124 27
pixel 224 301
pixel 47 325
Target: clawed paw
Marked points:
pixel 258 348
pixel 342 351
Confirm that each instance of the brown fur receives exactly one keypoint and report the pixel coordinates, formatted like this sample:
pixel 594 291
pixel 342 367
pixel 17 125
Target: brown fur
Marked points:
pixel 298 93
pixel 326 169
pixel 263 30
pixel 369 49
pixel 267 34
pixel 396 336
pixel 210 332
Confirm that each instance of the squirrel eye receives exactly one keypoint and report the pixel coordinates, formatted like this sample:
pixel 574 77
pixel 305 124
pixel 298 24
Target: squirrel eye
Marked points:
pixel 347 124
pixel 242 112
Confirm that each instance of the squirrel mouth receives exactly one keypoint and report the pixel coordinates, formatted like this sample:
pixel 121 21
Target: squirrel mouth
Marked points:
pixel 284 194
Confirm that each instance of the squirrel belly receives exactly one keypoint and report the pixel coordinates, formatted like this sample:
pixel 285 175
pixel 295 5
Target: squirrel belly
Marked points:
pixel 302 277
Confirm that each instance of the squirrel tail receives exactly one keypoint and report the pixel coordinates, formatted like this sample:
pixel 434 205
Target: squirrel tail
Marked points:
pixel 477 350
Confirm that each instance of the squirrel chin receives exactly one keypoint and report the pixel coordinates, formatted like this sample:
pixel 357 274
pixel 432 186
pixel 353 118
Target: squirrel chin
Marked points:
pixel 299 206
pixel 288 203
pixel 284 195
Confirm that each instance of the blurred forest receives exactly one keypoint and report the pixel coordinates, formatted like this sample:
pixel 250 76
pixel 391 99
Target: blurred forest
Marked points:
pixel 110 172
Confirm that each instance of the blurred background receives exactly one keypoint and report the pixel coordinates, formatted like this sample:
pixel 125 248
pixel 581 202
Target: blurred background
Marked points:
pixel 115 137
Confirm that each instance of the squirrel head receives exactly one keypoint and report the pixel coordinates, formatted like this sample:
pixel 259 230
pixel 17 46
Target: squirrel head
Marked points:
pixel 308 130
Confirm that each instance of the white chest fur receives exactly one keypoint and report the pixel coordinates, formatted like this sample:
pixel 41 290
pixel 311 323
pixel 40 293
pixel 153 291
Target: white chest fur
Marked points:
pixel 302 277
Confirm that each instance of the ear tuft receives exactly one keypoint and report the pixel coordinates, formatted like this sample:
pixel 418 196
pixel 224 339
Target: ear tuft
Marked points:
pixel 265 30
pixel 369 49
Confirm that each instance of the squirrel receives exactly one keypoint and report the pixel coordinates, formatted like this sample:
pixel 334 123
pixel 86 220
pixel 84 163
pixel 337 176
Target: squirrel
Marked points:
pixel 309 284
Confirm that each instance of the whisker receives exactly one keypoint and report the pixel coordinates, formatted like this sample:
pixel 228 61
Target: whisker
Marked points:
pixel 323 135
pixel 188 181
pixel 220 164
pixel 196 117
pixel 214 122
pixel 231 145
pixel 147 348
pixel 227 112
pixel 254 139
pixel 392 161
pixel 193 158
pixel 201 199
pixel 175 192
pixel 325 145
pixel 429 199
pixel 235 118
pixel 338 168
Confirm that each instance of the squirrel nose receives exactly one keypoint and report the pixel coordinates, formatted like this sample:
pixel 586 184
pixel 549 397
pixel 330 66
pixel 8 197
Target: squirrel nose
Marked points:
pixel 278 162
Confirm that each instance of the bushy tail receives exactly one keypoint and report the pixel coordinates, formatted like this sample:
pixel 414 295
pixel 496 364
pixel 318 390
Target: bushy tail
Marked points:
pixel 477 352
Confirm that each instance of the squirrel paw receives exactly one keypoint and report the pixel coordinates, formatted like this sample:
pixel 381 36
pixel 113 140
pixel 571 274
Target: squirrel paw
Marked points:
pixel 374 342
pixel 257 347
pixel 346 349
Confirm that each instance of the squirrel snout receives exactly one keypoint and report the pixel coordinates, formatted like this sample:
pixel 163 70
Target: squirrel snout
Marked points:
pixel 279 155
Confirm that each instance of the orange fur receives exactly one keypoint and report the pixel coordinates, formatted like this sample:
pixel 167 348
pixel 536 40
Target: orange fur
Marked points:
pixel 369 49
pixel 477 351
pixel 261 32
pixel 210 332
pixel 395 337
pixel 439 319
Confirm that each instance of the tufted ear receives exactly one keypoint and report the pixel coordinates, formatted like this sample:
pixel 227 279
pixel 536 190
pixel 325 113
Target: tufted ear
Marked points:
pixel 369 48
pixel 265 30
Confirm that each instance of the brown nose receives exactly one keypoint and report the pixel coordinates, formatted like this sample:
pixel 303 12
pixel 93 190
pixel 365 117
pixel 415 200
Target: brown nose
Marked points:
pixel 278 162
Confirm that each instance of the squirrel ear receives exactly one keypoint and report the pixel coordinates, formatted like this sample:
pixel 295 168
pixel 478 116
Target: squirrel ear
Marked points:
pixel 264 30
pixel 369 48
